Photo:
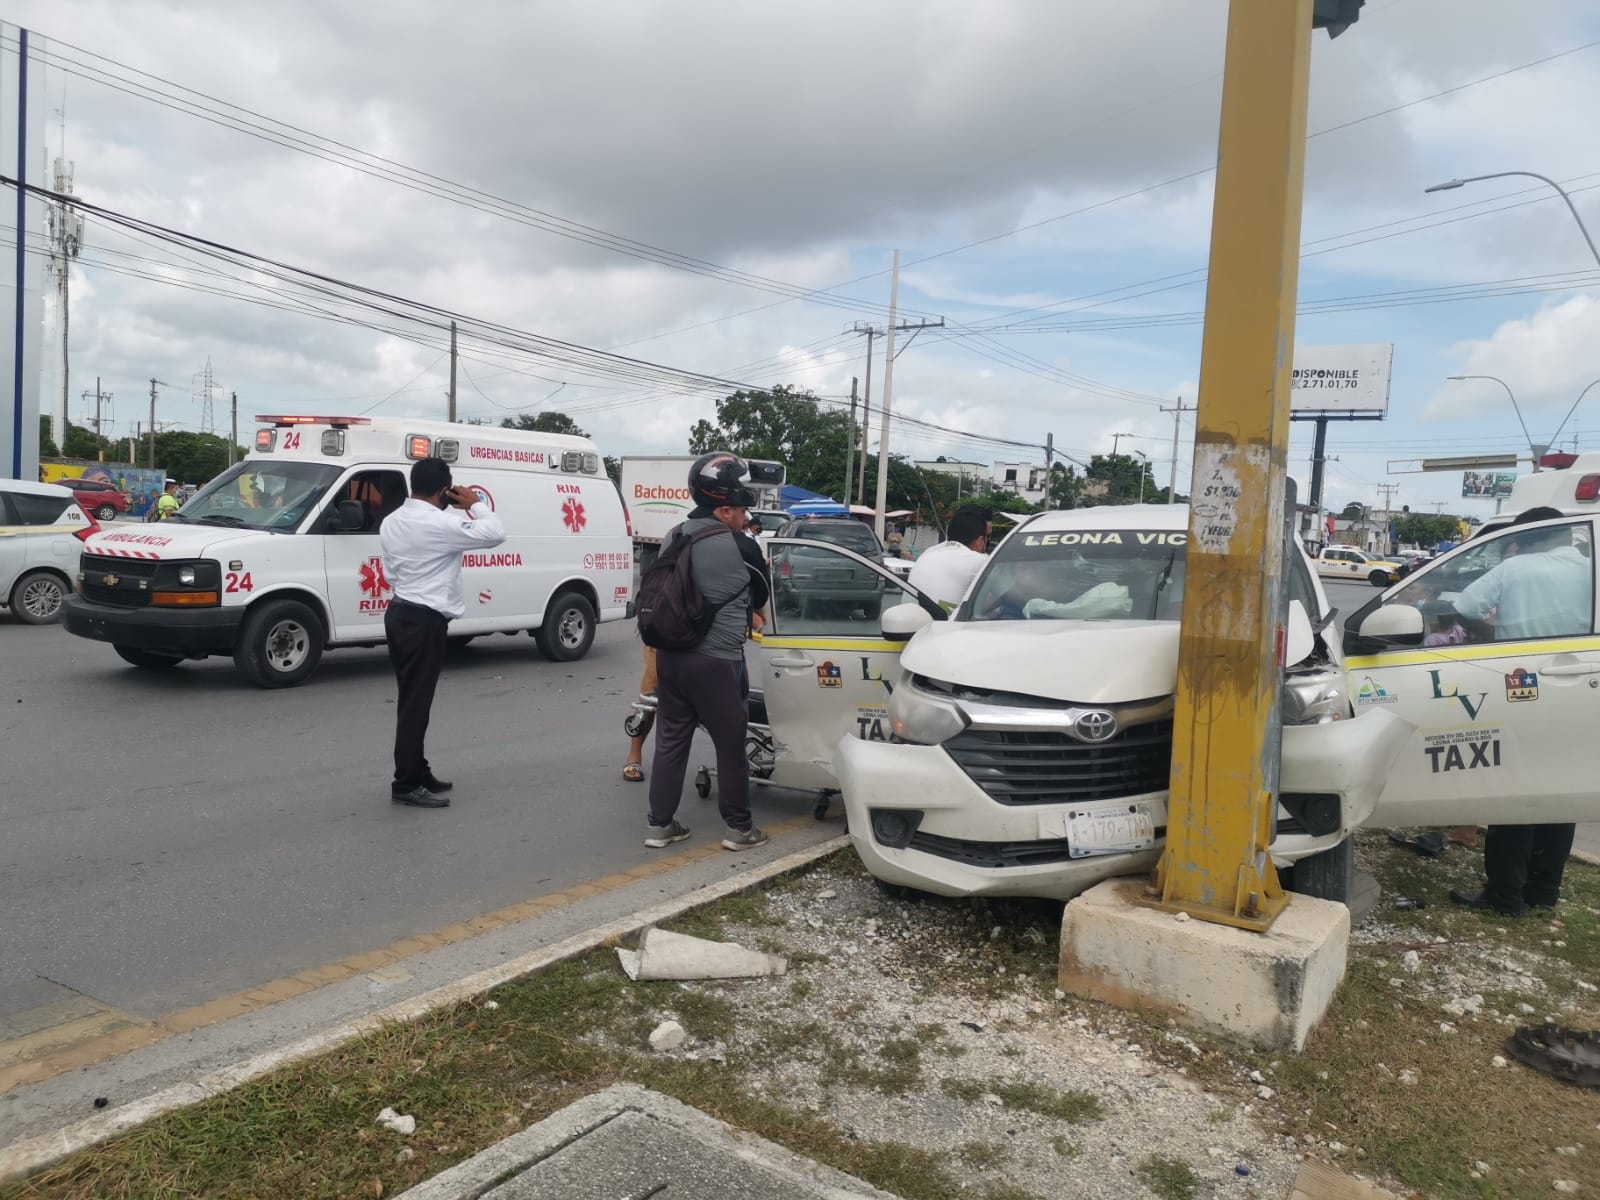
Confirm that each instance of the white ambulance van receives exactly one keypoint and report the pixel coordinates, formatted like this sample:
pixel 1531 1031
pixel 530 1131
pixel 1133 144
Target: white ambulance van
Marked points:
pixel 277 558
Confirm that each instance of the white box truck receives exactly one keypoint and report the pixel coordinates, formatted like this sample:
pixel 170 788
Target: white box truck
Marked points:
pixel 655 490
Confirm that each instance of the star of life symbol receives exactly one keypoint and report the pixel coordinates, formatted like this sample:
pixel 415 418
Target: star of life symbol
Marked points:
pixel 572 515
pixel 373 581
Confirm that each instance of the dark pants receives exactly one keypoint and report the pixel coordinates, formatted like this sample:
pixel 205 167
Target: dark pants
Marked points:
pixel 416 652
pixel 692 690
pixel 1524 863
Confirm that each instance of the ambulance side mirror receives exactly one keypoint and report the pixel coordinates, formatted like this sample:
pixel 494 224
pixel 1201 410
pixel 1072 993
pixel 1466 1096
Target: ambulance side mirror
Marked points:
pixel 901 621
pixel 346 516
pixel 1393 625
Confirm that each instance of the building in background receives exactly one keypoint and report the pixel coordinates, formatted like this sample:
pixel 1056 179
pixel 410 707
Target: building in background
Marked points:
pixel 971 478
pixel 1031 481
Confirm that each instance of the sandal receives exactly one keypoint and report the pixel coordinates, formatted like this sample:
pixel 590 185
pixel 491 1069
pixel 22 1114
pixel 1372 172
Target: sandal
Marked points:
pixel 633 772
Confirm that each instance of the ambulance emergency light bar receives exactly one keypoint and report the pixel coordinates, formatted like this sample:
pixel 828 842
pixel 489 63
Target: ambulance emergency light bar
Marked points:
pixel 417 445
pixel 332 439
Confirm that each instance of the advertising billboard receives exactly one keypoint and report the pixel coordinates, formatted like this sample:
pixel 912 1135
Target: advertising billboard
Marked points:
pixel 1341 380
pixel 142 486
pixel 1487 485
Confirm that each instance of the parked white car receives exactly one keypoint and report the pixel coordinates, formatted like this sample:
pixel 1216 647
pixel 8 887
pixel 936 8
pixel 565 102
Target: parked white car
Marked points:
pixel 1030 736
pixel 41 527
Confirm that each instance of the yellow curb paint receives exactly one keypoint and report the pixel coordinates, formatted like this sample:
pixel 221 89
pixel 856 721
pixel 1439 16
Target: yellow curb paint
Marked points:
pixel 94 1044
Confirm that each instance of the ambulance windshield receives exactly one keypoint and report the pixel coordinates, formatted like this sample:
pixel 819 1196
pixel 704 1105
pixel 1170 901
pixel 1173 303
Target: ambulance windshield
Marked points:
pixel 1085 575
pixel 259 494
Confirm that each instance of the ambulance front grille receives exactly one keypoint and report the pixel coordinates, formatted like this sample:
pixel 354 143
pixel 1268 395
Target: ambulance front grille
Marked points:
pixel 1019 767
pixel 129 573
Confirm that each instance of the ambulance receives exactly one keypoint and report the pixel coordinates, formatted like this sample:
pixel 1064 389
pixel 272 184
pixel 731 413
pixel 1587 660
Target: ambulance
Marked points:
pixel 277 559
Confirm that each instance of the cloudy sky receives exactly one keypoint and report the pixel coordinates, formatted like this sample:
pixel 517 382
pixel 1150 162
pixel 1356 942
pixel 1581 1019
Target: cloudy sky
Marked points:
pixel 1043 169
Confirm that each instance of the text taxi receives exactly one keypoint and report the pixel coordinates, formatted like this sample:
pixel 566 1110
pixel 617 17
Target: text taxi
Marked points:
pixel 278 558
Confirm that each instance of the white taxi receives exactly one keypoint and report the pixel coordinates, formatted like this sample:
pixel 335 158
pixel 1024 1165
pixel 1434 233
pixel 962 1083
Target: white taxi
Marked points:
pixel 1028 744
pixel 41 532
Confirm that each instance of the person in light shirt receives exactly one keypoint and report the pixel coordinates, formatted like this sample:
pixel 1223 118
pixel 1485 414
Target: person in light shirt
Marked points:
pixel 944 572
pixel 422 542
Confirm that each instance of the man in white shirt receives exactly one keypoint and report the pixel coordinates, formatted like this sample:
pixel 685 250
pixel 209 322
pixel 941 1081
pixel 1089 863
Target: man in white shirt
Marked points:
pixel 944 572
pixel 422 545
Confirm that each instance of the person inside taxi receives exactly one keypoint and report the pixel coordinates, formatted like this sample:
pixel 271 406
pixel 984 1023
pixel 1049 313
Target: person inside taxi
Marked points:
pixel 1543 587
pixel 945 572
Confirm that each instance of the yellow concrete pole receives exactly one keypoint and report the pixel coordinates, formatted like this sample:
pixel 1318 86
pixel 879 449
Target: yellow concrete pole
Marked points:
pixel 1226 727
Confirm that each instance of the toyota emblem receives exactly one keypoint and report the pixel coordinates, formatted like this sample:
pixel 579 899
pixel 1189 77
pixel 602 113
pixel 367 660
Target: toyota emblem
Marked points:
pixel 1096 725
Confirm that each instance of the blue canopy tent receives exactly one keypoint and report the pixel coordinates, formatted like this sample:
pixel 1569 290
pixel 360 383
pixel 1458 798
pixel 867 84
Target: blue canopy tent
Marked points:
pixel 795 494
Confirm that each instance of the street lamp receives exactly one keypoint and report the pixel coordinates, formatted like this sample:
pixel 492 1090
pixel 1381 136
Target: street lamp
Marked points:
pixel 1536 451
pixel 1570 411
pixel 1144 471
pixel 1452 184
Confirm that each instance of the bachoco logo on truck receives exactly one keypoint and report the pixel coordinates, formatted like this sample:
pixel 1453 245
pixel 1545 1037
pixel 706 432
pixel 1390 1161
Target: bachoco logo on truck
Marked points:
pixel 656 498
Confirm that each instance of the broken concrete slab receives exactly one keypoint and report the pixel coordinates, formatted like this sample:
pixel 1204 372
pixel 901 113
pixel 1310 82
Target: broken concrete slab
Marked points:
pixel 664 955
pixel 630 1141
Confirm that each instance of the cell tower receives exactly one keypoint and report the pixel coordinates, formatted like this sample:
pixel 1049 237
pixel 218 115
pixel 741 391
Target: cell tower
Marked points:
pixel 65 240
pixel 205 385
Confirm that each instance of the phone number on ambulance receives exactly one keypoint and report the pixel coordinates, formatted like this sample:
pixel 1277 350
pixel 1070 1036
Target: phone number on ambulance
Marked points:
pixel 608 562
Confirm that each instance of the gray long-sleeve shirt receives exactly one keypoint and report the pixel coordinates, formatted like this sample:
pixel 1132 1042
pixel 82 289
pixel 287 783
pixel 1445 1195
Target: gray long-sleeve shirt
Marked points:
pixel 721 574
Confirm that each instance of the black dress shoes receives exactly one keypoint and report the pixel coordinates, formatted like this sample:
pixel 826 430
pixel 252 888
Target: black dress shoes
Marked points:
pixel 437 786
pixel 419 797
pixel 1480 899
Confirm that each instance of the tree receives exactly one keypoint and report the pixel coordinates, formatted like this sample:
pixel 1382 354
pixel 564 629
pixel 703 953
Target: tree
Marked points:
pixel 789 427
pixel 1125 479
pixel 190 457
pixel 80 443
pixel 1353 511
pixel 1427 529
pixel 1066 487
pixel 47 448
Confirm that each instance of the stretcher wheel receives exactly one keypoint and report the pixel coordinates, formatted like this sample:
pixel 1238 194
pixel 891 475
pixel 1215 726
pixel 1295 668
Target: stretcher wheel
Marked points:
pixel 702 783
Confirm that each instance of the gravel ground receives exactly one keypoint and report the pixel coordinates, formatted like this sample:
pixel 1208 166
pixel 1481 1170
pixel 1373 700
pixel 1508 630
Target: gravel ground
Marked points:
pixel 916 1037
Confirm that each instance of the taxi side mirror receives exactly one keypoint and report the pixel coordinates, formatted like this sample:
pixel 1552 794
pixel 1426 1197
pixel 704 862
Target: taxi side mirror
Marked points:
pixel 901 621
pixel 1393 625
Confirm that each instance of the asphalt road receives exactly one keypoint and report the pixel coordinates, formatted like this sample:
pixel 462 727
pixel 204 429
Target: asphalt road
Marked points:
pixel 170 838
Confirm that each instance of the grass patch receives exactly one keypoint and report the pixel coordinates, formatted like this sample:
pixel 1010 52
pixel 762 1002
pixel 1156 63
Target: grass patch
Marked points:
pixel 1071 1107
pixel 1168 1178
pixel 711 921
pixel 982 1154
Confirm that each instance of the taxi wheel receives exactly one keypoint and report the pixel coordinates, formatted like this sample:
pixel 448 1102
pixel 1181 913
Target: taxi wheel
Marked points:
pixel 146 658
pixel 1327 875
pixel 280 644
pixel 568 628
pixel 1379 579
pixel 37 598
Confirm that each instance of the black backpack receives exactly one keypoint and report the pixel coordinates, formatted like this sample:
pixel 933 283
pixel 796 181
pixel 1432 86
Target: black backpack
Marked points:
pixel 672 613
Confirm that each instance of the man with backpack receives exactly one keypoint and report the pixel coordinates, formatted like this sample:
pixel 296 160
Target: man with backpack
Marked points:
pixel 695 608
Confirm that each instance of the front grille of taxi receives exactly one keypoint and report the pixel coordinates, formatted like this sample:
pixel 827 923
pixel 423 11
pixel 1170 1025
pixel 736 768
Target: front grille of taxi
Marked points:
pixel 1024 767
pixel 132 580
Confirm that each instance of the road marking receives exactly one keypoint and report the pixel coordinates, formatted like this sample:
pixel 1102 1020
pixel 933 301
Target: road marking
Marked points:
pixel 93 1036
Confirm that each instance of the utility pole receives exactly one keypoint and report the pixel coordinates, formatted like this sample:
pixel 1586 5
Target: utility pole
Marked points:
pixel 452 371
pixel 1049 452
pixel 65 239
pixel 1216 865
pixel 888 400
pixel 1172 479
pixel 154 383
pixel 850 450
pixel 204 393
pixel 99 398
pixel 233 424
pixel 866 408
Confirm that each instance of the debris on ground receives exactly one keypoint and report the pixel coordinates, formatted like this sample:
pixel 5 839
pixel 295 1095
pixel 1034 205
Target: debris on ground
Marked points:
pixel 665 955
pixel 401 1123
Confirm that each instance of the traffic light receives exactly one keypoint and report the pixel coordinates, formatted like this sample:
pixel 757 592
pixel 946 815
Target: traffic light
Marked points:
pixel 1335 15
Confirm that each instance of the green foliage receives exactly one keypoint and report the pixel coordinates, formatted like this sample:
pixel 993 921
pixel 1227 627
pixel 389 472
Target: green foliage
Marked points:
pixel 786 426
pixel 1353 511
pixel 80 443
pixel 190 457
pixel 47 448
pixel 1427 529
pixel 558 422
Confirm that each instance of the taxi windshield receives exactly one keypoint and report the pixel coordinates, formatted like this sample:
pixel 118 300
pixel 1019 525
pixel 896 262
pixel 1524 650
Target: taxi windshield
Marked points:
pixel 1084 575
pixel 261 495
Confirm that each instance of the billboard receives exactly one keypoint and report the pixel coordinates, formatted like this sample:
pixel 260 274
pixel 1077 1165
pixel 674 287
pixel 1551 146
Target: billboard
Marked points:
pixel 1341 380
pixel 143 486
pixel 1487 485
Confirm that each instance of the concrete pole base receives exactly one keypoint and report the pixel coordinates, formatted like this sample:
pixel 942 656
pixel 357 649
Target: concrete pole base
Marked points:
pixel 1266 989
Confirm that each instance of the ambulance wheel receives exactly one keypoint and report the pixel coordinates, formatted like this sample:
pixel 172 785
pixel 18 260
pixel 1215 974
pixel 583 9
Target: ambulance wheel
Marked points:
pixel 702 783
pixel 146 658
pixel 568 629
pixel 1378 579
pixel 280 644
pixel 37 598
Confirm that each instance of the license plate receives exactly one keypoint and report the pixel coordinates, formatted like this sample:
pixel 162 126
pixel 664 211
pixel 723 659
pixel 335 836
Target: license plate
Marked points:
pixel 1107 829
pixel 834 575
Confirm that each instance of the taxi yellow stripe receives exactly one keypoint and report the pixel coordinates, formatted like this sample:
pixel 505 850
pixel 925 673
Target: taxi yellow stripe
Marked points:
pixel 1469 653
pixel 835 643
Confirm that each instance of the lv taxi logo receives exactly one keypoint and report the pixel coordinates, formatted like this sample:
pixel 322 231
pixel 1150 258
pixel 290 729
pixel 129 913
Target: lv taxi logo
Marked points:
pixel 1521 685
pixel 830 675
pixel 1473 707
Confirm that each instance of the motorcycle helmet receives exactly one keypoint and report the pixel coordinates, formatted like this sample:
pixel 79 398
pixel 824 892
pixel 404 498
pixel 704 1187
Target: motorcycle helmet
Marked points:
pixel 718 479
